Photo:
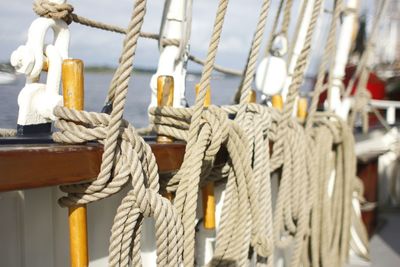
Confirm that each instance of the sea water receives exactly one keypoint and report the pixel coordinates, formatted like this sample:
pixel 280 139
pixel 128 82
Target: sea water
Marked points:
pixel 138 99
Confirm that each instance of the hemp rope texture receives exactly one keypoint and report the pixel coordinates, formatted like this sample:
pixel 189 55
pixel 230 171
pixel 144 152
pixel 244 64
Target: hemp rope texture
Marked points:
pixel 274 27
pixel 327 58
pixel 126 157
pixel 206 130
pixel 318 242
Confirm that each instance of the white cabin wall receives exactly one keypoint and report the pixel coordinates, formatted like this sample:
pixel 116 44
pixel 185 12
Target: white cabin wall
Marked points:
pixel 38 227
pixel 34 229
pixel 11 240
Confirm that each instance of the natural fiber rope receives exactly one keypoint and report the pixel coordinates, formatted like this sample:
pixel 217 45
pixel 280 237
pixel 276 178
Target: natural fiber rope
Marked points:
pixel 186 195
pixel 122 77
pixel 291 182
pixel 256 146
pixel 329 54
pixel 286 17
pixel 274 27
pixel 246 219
pixel 126 157
pixel 297 29
pixel 48 9
pixel 7 132
pixel 297 80
pixel 253 55
pixel 225 248
pixel 319 246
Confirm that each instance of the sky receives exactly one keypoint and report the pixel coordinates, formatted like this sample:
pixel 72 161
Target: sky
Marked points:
pixel 98 47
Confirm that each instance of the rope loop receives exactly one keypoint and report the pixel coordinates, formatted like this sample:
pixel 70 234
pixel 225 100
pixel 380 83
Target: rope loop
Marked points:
pixel 263 246
pixel 133 161
pixel 304 157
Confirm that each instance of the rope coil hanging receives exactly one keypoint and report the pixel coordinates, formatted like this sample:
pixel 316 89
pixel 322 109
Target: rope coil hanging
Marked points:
pixel 249 224
pixel 126 158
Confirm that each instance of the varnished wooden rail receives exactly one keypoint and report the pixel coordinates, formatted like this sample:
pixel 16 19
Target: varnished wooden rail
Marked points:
pixel 41 165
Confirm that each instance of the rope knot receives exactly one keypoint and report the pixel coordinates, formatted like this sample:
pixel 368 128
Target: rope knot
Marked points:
pixel 47 9
pixel 218 123
pixel 165 42
pixel 262 246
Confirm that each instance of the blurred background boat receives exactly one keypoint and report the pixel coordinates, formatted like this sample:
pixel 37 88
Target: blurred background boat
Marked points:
pixel 7 75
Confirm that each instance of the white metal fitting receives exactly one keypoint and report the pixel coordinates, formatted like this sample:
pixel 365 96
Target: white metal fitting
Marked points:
pixel 37 100
pixel 173 59
pixel 59 2
pixel 279 46
pixel 271 75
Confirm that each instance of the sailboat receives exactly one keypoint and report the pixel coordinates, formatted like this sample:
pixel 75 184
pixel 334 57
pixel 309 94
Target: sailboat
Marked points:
pixel 243 184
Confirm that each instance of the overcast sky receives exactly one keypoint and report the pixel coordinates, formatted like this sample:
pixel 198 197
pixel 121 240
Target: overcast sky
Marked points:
pixel 99 47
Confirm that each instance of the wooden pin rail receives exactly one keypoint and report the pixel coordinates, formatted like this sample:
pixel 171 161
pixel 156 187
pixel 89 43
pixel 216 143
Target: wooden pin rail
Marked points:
pixel 208 190
pixel 41 165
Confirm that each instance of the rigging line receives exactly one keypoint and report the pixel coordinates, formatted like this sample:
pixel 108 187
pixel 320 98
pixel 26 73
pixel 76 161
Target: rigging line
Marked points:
pixel 297 31
pixel 274 27
pixel 113 28
pixel 329 52
pixel 381 119
pixel 286 18
pixel 117 29
pixel 218 68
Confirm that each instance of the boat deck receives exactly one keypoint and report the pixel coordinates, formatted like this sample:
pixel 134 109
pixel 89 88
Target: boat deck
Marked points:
pixel 385 243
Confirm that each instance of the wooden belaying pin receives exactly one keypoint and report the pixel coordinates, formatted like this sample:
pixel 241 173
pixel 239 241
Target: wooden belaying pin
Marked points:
pixel 253 96
pixel 277 102
pixel 302 109
pixel 208 189
pixel 207 100
pixel 45 65
pixel 165 97
pixel 73 96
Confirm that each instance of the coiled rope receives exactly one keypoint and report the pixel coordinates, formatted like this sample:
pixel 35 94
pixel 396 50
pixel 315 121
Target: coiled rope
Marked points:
pixel 126 158
pixel 248 222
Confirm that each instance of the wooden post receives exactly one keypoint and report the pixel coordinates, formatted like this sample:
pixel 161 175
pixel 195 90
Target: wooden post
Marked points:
pixel 253 97
pixel 45 65
pixel 73 95
pixel 302 109
pixel 165 97
pixel 208 190
pixel 277 102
